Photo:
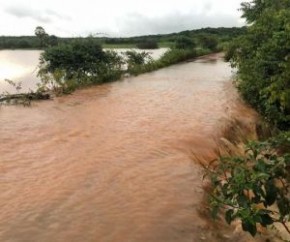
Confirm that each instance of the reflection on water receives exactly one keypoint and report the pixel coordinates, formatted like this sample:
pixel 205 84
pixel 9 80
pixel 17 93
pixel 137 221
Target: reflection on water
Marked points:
pixel 12 70
pixel 18 66
pixel 114 162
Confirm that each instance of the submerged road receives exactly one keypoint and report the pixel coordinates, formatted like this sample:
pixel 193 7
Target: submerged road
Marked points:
pixel 117 162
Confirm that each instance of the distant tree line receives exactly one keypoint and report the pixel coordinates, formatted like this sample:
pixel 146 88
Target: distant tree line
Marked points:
pixel 42 39
pixel 224 34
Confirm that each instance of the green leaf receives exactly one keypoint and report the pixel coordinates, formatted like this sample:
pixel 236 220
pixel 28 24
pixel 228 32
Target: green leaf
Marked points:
pixel 229 216
pixel 266 220
pixel 242 200
pixel 249 227
pixel 284 206
pixel 271 193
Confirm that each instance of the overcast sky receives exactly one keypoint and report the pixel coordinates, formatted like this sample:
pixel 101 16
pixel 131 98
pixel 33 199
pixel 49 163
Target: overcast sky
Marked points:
pixel 115 17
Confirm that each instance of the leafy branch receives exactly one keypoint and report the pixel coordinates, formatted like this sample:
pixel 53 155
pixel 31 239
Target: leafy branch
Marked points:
pixel 255 188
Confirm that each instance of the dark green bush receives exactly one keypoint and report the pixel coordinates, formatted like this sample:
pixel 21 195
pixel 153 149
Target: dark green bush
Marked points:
pixel 255 188
pixel 208 42
pixel 79 63
pixel 76 57
pixel 263 60
pixel 148 44
pixel 184 42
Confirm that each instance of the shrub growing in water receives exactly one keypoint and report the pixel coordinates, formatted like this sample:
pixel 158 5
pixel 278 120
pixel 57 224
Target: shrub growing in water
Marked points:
pixel 81 62
pixel 136 60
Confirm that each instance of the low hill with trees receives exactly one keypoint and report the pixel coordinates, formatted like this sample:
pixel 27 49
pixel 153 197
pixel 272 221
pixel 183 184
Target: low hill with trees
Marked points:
pixel 41 39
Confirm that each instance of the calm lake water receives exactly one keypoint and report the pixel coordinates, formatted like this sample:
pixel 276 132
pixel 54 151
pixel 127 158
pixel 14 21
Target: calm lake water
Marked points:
pixel 117 162
pixel 22 66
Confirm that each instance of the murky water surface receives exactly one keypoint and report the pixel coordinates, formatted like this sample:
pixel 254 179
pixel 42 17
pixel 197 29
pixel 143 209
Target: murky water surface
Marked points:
pixel 113 163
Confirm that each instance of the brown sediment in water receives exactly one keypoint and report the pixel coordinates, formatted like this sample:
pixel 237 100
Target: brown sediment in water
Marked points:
pixel 119 162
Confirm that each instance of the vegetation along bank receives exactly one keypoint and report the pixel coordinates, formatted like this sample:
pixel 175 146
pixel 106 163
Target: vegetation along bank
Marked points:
pixel 254 187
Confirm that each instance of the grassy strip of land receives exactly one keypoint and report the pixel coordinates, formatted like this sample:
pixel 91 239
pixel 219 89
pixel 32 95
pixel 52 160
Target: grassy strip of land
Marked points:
pixel 171 57
pixel 65 68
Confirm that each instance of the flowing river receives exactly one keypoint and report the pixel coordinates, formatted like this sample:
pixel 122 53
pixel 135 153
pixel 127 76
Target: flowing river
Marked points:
pixel 117 162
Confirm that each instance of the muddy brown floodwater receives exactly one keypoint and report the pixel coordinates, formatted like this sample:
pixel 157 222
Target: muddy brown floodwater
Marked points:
pixel 117 162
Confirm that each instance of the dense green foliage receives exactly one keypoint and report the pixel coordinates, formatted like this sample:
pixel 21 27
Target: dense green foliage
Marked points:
pixel 262 57
pixel 184 42
pixel 79 56
pixel 79 63
pixel 82 62
pixel 135 59
pixel 209 42
pixel 42 36
pixel 248 187
pixel 254 188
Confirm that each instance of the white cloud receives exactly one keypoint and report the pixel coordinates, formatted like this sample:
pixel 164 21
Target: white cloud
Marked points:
pixel 117 18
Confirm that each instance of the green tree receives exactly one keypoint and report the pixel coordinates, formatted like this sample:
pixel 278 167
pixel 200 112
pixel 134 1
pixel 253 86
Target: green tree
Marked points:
pixel 41 35
pixel 184 42
pixel 247 187
pixel 135 58
pixel 53 40
pixel 80 62
pixel 263 60
pixel 79 56
pixel 208 42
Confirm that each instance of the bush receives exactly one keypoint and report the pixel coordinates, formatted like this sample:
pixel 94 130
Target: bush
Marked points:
pixel 148 44
pixel 170 57
pixel 255 188
pixel 177 55
pixel 80 62
pixel 263 62
pixel 79 56
pixel 209 42
pixel 184 42
pixel 246 188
